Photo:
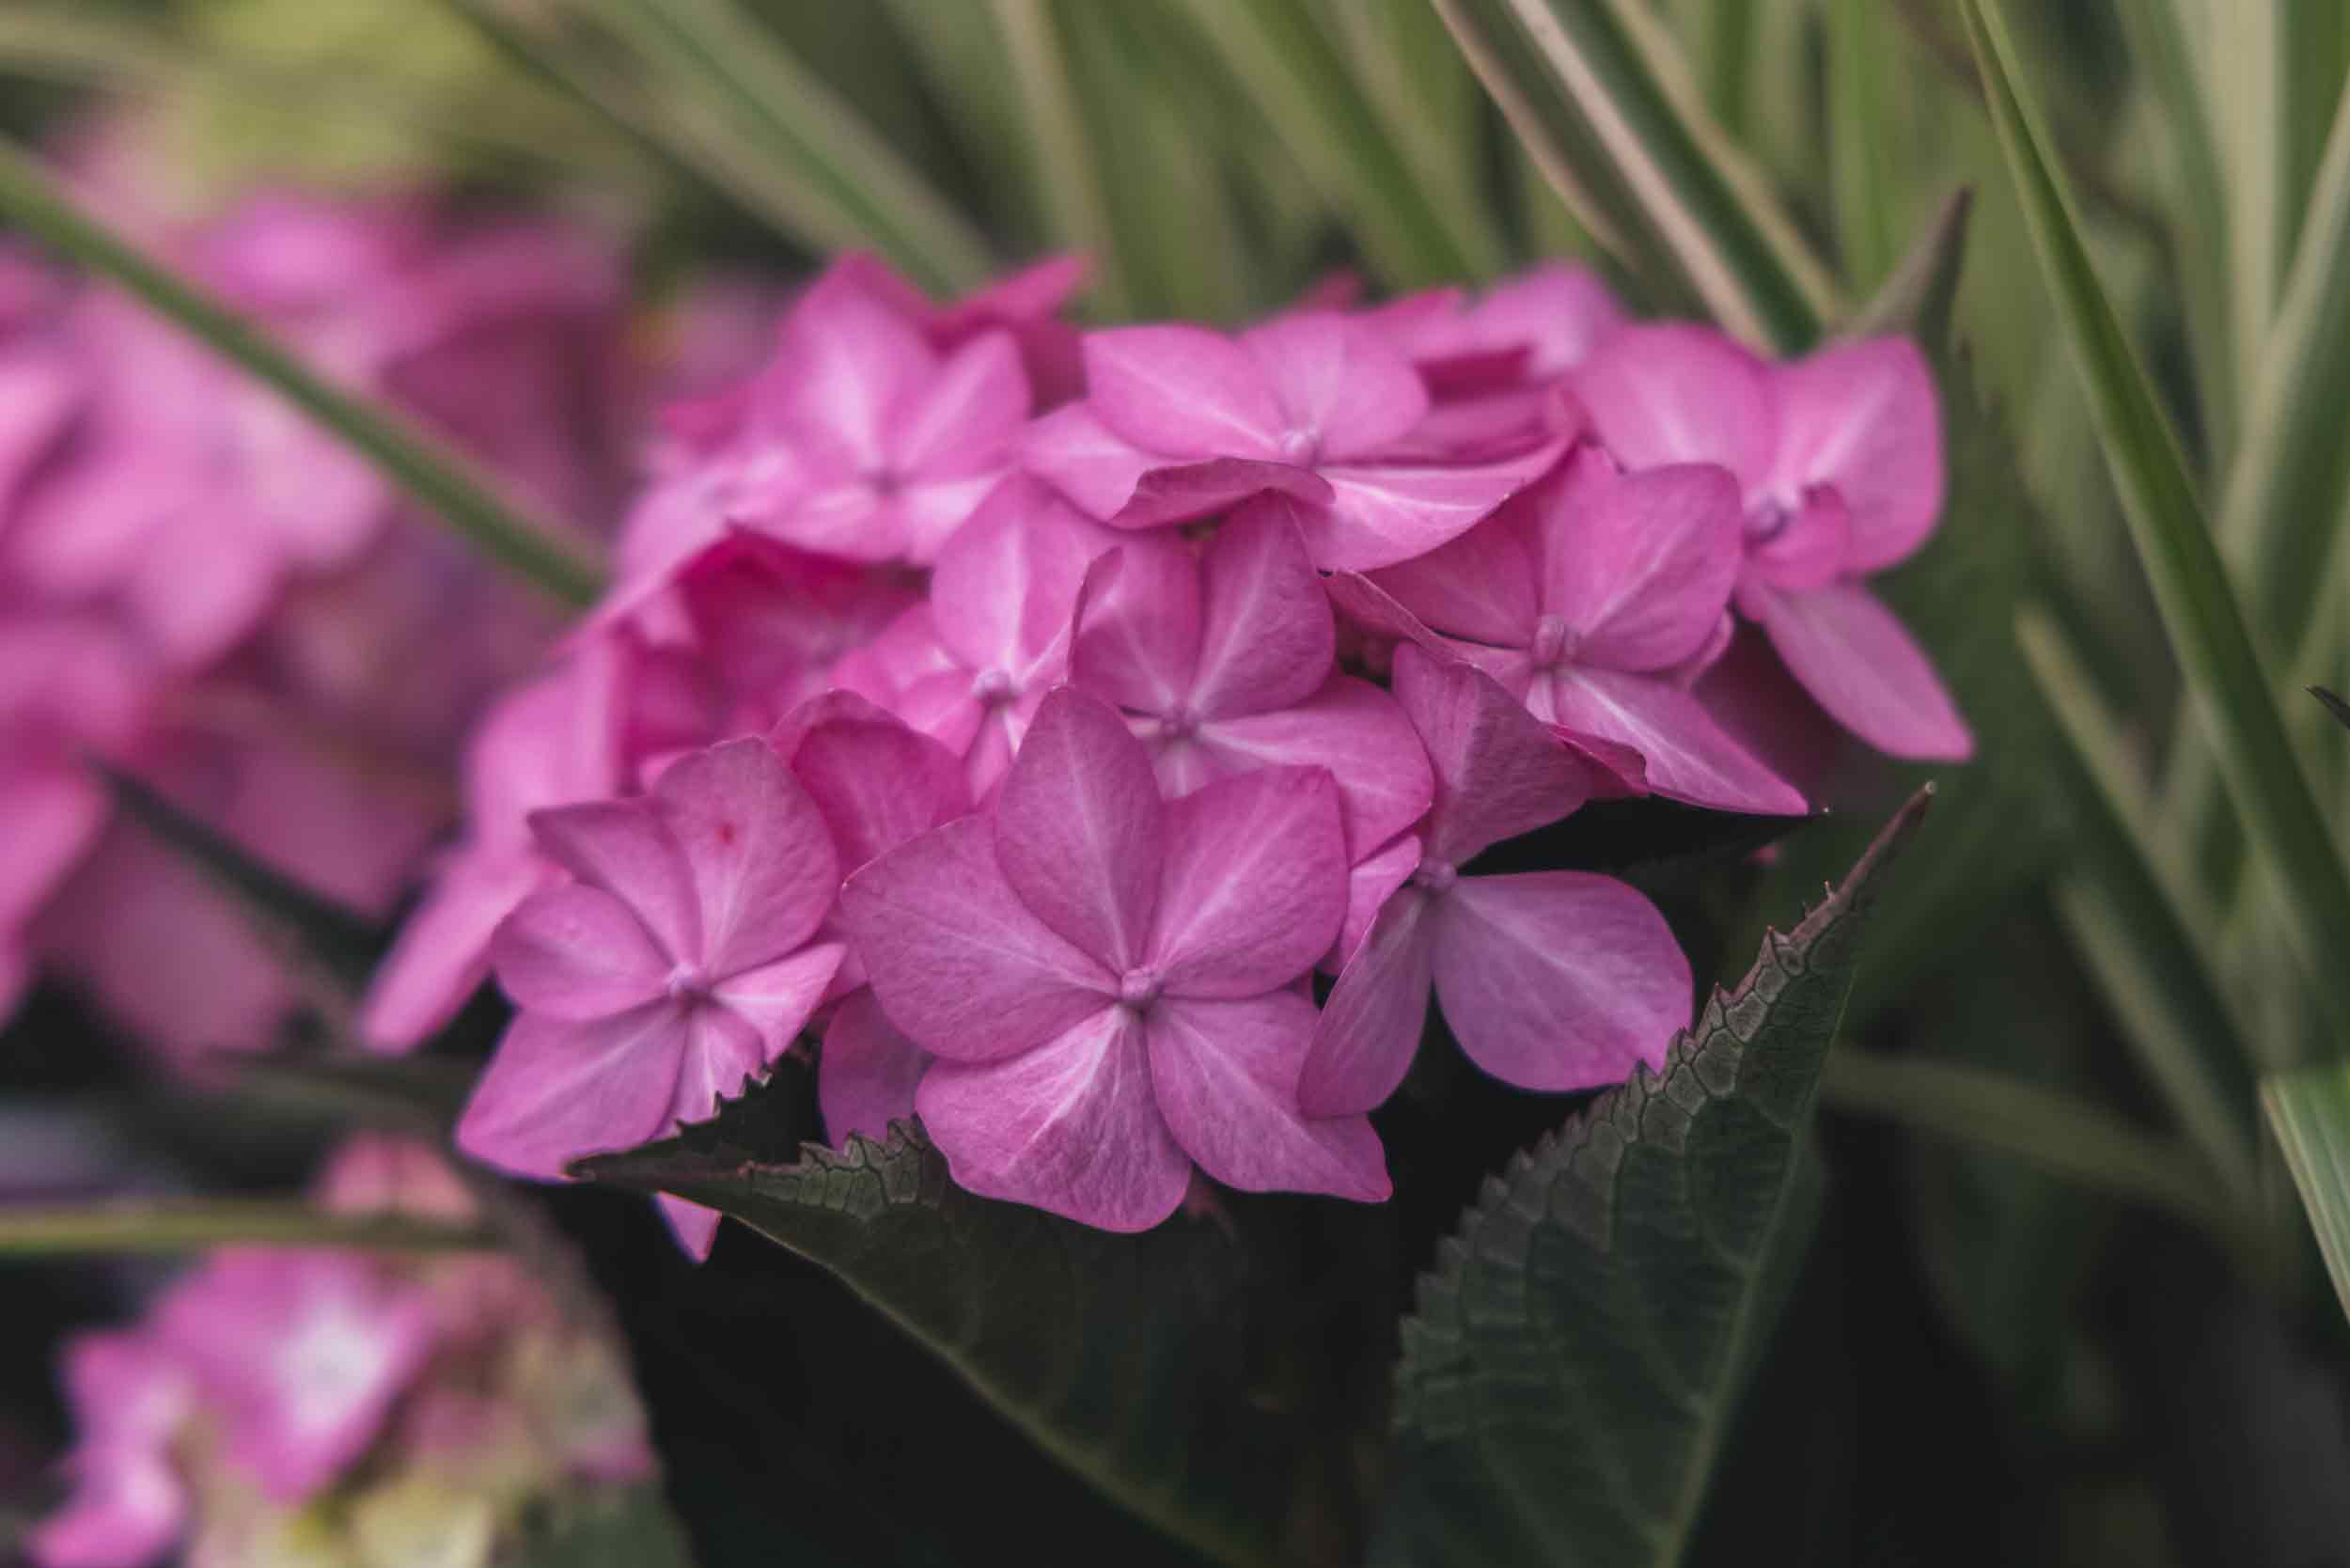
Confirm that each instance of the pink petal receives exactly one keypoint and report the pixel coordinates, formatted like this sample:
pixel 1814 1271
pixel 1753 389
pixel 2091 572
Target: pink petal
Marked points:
pixel 1266 639
pixel 957 961
pixel 1561 312
pixel 1071 1127
pixel 1351 728
pixel 1389 513
pixel 1254 887
pixel 54 813
pixel 1225 1075
pixel 1500 772
pixel 1006 583
pixel 1864 417
pixel 867 1076
pixel 1338 381
pixel 626 848
pixel 926 513
pixel 1681 393
pixel 694 1227
pixel 1559 980
pixel 1182 391
pixel 1638 566
pixel 1685 754
pixel 1483 586
pixel 1035 291
pixel 1072 450
pixel 963 420
pixel 876 781
pixel 1371 1026
pixel 1079 829
pixel 1370 882
pixel 850 367
pixel 777 999
pixel 558 1089
pixel 1802 547
pixel 762 860
pixel 576 952
pixel 1137 626
pixel 722 1052
pixel 553 740
pixel 1856 658
pixel 443 953
pixel 1184 492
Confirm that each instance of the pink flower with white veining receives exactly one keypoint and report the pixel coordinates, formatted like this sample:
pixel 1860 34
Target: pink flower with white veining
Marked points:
pixel 1109 980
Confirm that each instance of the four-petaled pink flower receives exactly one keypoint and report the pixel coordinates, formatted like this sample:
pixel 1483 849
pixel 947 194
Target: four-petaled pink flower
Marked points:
pixel 1223 660
pixel 1840 458
pixel 1549 980
pixel 1179 422
pixel 891 445
pixel 1110 981
pixel 970 664
pixel 1593 599
pixel 682 962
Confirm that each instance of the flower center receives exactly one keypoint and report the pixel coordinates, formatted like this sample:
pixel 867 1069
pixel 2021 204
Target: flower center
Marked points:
pixel 1768 518
pixel 1300 447
pixel 687 982
pixel 880 481
pixel 1181 723
pixel 1553 644
pixel 1139 988
pixel 1436 876
pixel 991 686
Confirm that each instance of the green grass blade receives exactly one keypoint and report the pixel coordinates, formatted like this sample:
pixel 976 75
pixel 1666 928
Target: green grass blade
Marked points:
pixel 2244 50
pixel 2132 915
pixel 1863 104
pixel 198 1225
pixel 2310 1110
pixel 1063 150
pixel 2061 1133
pixel 2164 57
pixel 2206 628
pixel 428 468
pixel 1591 90
pixel 1302 83
pixel 858 190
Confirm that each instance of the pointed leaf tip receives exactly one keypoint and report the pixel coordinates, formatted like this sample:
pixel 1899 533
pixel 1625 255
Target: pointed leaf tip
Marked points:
pixel 1579 1350
pixel 2334 703
pixel 1917 299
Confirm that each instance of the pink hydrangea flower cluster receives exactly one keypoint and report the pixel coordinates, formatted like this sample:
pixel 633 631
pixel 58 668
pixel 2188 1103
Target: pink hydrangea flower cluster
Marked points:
pixel 1035 738
pixel 199 586
pixel 282 1405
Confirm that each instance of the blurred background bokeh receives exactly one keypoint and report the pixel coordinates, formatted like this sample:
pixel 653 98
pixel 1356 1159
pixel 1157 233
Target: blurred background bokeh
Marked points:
pixel 2065 1306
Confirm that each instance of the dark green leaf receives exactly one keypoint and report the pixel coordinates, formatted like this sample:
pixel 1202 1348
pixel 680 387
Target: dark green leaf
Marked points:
pixel 2309 1107
pixel 1187 1372
pixel 2334 704
pixel 1575 1359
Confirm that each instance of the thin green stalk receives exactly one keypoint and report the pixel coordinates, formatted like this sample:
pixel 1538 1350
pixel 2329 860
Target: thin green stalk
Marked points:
pixel 1862 101
pixel 1277 51
pixel 1594 91
pixel 1063 156
pixel 2061 1133
pixel 198 1225
pixel 2206 628
pixel 436 473
pixel 2310 1110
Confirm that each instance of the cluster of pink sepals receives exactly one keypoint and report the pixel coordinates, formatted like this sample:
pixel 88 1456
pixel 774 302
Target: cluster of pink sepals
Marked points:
pixel 264 1380
pixel 1032 715
pixel 205 590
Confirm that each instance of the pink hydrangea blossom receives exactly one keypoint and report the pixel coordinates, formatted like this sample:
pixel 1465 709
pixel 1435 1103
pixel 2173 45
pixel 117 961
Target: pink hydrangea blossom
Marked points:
pixel 1595 598
pixel 680 963
pixel 1179 423
pixel 1223 660
pixel 129 1397
pixel 1549 980
pixel 970 664
pixel 1839 460
pixel 1109 983
pixel 1495 366
pixel 553 740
